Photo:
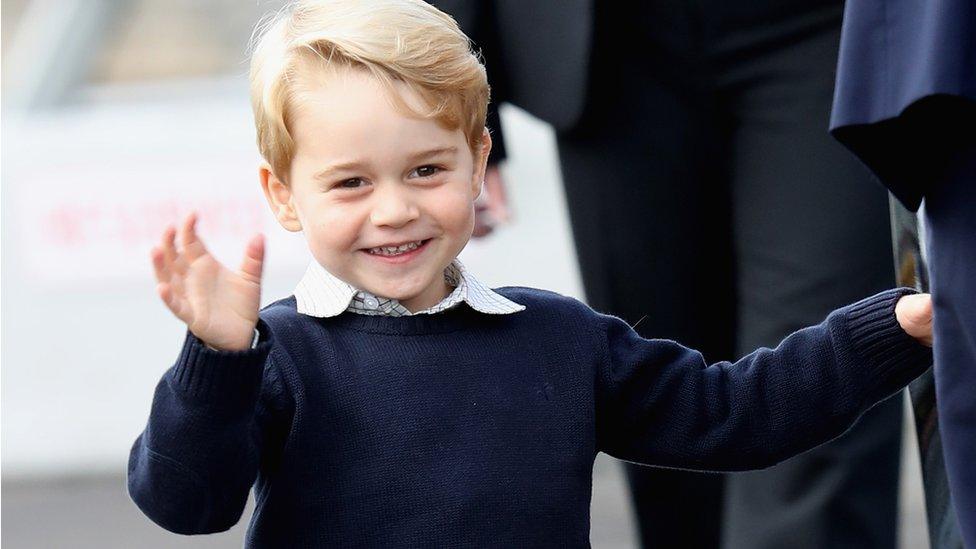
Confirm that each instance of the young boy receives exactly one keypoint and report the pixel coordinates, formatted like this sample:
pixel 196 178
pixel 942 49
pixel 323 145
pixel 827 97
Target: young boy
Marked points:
pixel 394 400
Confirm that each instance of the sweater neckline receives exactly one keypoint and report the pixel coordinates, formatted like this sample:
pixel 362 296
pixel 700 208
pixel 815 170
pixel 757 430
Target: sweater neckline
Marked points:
pixel 457 318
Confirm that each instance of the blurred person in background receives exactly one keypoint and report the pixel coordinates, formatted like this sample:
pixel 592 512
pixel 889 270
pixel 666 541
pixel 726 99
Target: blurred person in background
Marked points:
pixel 906 105
pixel 700 176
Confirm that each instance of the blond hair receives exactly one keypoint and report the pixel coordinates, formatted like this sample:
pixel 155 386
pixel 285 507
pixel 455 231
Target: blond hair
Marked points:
pixel 406 41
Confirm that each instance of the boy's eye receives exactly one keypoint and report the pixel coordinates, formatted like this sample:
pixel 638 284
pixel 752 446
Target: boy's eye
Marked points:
pixel 427 171
pixel 353 183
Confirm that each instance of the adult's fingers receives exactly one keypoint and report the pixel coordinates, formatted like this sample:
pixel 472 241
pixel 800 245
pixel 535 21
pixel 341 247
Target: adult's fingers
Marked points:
pixel 497 197
pixel 484 224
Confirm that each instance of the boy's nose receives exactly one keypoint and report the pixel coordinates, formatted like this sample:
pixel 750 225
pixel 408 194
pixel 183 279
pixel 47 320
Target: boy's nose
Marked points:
pixel 393 207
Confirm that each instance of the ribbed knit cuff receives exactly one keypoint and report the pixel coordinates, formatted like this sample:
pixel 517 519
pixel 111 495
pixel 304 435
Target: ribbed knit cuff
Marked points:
pixel 229 380
pixel 890 356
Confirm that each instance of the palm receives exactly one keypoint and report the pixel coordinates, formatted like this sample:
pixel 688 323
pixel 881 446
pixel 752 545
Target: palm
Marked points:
pixel 218 300
pixel 218 305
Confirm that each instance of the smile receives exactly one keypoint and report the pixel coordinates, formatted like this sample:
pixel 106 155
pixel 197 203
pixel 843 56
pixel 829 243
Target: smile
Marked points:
pixel 397 250
pixel 403 252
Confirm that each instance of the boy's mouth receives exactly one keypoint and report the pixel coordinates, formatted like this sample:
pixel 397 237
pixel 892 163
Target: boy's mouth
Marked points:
pixel 402 251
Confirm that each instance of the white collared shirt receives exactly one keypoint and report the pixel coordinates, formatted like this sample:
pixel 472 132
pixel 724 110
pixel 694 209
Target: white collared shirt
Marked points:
pixel 321 294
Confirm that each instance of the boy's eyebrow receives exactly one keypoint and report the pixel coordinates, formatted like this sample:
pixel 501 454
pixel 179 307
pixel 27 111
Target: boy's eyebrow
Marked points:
pixel 420 155
pixel 432 152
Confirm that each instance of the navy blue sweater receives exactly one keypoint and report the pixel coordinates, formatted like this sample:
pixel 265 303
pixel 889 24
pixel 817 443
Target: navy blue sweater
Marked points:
pixel 469 429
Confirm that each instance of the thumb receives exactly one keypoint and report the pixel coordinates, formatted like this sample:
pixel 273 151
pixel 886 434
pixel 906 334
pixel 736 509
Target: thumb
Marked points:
pixel 253 262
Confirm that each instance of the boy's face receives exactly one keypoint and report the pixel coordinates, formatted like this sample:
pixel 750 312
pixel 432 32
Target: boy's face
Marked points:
pixel 365 176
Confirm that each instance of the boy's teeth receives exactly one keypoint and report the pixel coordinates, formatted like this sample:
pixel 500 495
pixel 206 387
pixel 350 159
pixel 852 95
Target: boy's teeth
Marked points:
pixel 396 250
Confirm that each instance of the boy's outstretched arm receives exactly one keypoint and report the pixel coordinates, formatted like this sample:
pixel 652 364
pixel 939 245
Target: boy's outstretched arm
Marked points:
pixel 659 403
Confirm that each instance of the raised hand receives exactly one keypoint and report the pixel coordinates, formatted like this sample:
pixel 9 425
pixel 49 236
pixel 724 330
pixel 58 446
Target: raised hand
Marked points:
pixel 491 208
pixel 218 305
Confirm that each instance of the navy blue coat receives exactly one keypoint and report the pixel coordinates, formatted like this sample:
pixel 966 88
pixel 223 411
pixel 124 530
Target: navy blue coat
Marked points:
pixel 905 104
pixel 906 87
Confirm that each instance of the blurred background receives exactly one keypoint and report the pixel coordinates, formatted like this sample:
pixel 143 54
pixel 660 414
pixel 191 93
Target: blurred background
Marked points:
pixel 118 117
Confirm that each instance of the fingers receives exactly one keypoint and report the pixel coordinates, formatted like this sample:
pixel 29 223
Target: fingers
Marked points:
pixel 164 258
pixel 166 294
pixel 483 222
pixel 169 254
pixel 192 245
pixel 169 243
pixel 253 262
pixel 160 267
pixel 914 314
pixel 167 262
pixel 169 285
pixel 172 266
pixel 925 317
pixel 928 307
pixel 169 267
pixel 188 229
pixel 173 302
pixel 497 198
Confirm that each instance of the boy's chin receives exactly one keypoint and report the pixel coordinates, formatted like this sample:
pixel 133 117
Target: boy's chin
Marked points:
pixel 397 292
pixel 411 297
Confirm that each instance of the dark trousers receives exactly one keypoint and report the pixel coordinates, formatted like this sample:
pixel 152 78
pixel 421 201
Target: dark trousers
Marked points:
pixel 709 205
pixel 950 216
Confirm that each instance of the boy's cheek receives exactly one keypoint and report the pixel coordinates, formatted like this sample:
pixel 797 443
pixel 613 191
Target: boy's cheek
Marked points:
pixel 458 211
pixel 327 237
pixel 462 227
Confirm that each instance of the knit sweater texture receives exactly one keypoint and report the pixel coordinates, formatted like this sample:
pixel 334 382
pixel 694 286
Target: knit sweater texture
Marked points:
pixel 466 429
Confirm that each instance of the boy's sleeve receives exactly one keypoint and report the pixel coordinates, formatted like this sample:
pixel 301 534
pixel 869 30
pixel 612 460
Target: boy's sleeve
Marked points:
pixel 659 403
pixel 191 469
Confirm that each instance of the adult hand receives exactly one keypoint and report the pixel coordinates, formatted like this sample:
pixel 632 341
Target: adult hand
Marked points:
pixel 491 208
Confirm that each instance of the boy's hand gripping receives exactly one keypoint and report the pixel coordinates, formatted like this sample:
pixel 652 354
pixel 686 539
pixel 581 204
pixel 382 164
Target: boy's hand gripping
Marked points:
pixel 914 314
pixel 218 305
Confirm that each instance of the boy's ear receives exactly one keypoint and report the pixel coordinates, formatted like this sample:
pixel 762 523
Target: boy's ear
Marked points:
pixel 481 162
pixel 279 197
